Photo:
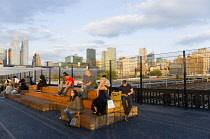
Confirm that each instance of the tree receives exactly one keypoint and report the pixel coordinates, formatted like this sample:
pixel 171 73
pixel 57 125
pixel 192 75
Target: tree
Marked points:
pixel 107 73
pixel 78 76
pixel 55 76
pixel 155 73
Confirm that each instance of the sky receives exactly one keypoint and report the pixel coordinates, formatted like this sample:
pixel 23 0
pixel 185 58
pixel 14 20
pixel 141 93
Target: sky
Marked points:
pixel 59 28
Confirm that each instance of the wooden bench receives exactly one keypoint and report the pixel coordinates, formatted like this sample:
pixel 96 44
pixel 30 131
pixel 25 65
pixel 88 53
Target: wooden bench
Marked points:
pixel 47 101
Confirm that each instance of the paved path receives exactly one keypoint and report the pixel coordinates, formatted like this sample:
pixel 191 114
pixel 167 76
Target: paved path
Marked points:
pixel 153 122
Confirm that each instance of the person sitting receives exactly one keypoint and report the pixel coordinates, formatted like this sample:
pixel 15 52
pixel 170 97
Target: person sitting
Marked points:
pixel 32 82
pixel 74 107
pixel 42 83
pixel 27 80
pixel 101 101
pixel 63 81
pixel 69 84
pixel 107 81
pixel 87 84
pixel 22 85
pixel 7 90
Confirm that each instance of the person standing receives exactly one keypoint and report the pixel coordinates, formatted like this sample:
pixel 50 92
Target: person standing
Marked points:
pixel 69 83
pixel 87 83
pixel 126 90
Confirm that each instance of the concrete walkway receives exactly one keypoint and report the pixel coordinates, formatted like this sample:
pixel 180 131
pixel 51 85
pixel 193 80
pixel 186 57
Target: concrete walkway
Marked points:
pixel 153 122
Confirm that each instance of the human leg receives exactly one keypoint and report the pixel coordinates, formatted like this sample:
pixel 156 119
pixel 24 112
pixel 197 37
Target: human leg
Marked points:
pixel 85 91
pixel 123 98
pixel 61 90
pixel 130 103
pixel 66 89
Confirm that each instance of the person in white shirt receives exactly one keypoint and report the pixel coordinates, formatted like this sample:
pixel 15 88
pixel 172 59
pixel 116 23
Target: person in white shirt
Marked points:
pixel 7 90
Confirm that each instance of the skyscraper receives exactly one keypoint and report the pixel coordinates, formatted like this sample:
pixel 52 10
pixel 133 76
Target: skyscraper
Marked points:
pixel 91 56
pixel 2 55
pixel 143 53
pixel 36 60
pixel 15 51
pixel 10 56
pixel 107 55
pixel 24 52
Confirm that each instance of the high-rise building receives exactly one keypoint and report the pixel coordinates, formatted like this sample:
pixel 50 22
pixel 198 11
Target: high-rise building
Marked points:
pixel 2 55
pixel 91 56
pixel 107 55
pixel 36 61
pixel 143 54
pixel 15 51
pixel 151 59
pixel 73 58
pixel 24 52
pixel 10 56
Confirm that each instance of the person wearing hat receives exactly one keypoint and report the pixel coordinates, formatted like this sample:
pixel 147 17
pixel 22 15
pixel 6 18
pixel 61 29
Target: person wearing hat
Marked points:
pixel 7 90
pixel 126 90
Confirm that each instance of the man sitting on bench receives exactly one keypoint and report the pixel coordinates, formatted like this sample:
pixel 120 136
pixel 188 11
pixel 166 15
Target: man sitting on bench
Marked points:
pixel 69 84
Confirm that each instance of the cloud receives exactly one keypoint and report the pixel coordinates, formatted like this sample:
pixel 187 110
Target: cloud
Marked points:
pixel 195 38
pixel 31 33
pixel 153 14
pixel 22 11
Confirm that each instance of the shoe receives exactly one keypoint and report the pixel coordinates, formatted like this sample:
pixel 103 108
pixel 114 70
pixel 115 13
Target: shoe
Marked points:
pixel 98 113
pixel 94 113
pixel 2 97
pixel 126 118
pixel 68 124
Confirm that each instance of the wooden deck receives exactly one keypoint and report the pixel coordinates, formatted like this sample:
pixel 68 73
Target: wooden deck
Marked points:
pixel 46 101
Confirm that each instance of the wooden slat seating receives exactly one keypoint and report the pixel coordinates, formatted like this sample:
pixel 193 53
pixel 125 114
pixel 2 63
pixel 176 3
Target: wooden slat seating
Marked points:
pixel 47 101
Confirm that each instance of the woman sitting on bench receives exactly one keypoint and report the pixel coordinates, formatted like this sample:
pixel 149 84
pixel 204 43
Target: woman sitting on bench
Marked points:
pixel 101 101
pixel 75 106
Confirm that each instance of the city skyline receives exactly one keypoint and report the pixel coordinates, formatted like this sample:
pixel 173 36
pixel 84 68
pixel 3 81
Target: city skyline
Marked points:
pixel 60 28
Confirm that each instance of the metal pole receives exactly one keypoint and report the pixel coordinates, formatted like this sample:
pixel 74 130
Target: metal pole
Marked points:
pixel 59 75
pixel 41 71
pixel 34 76
pixel 49 75
pixel 72 71
pixel 110 68
pixel 141 76
pixel 185 83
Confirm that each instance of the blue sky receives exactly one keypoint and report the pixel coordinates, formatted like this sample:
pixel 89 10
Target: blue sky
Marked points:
pixel 58 28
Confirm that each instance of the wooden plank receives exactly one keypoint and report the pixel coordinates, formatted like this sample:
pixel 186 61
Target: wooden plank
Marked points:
pixel 102 120
pixel 110 118
pixel 89 121
pixel 92 94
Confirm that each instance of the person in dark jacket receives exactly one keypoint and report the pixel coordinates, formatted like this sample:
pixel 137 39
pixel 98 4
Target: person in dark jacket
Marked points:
pixel 99 104
pixel 42 83
pixel 22 85
pixel 74 107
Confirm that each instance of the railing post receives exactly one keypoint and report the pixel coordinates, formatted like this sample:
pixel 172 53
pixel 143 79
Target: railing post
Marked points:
pixel 72 71
pixel 49 75
pixel 41 72
pixel 110 68
pixel 140 99
pixel 34 76
pixel 29 74
pixel 185 83
pixel 59 75
pixel 20 76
